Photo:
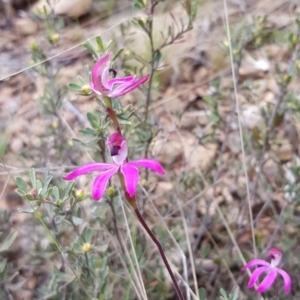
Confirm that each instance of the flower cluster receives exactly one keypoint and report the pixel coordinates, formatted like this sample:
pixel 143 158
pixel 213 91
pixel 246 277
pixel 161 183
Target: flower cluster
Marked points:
pixel 272 271
pixel 128 171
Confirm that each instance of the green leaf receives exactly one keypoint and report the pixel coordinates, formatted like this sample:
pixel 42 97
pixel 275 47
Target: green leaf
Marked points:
pixel 29 197
pixel 91 49
pixel 118 54
pixel 223 293
pixel 21 183
pixel 39 185
pixel 2 265
pixel 100 44
pixel 77 221
pixel 26 211
pixel 8 241
pixel 101 248
pixel 58 219
pixel 88 234
pixel 68 189
pixel 32 177
pixel 93 120
pixel 202 293
pixel 74 87
pixel 46 184
pixel 109 44
pixel 80 81
pixel 87 73
pixel 234 295
pixel 21 192
pixel 55 192
pixel 87 131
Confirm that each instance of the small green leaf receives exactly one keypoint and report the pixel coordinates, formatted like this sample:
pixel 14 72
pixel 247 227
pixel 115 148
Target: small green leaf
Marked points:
pixel 74 87
pixel 39 185
pixel 93 120
pixel 223 293
pixel 91 49
pixel 55 192
pixel 29 197
pixel 80 81
pixel 2 265
pixel 21 192
pixel 118 54
pixel 58 219
pixel 46 184
pixel 87 131
pixel 26 211
pixel 21 183
pixel 8 241
pixel 77 221
pixel 68 189
pixel 202 293
pixel 32 177
pixel 101 248
pixel 109 44
pixel 234 295
pixel 88 234
pixel 87 73
pixel 100 45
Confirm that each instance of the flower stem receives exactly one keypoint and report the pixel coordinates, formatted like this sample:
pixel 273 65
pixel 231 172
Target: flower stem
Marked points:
pixel 111 113
pixel 161 251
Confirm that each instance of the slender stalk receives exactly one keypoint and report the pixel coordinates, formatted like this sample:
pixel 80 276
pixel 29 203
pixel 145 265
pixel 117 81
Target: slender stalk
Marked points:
pixel 161 251
pixel 152 69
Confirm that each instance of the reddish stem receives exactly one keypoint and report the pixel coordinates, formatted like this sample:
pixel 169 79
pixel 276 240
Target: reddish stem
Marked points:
pixel 161 251
pixel 112 115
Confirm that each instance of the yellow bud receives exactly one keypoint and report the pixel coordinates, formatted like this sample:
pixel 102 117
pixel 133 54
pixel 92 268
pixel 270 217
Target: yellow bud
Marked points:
pixel 111 191
pixel 294 39
pixel 235 51
pixel 85 89
pixel 86 247
pixel 297 63
pixel 225 43
pixel 258 41
pixel 54 124
pixel 38 214
pixel 144 182
pixel 54 38
pixel 80 194
pixel 70 143
pixel 34 47
pixel 127 53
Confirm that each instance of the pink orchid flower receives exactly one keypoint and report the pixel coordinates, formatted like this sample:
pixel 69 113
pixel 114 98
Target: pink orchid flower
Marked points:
pixel 116 87
pixel 271 269
pixel 129 170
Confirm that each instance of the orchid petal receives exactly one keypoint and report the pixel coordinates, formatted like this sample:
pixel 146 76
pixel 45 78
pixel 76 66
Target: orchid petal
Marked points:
pixel 96 84
pixel 256 262
pixel 268 281
pixel 114 81
pixel 87 168
pixel 122 90
pixel 255 275
pixel 104 78
pixel 131 178
pixel 287 280
pixel 100 182
pixel 148 163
